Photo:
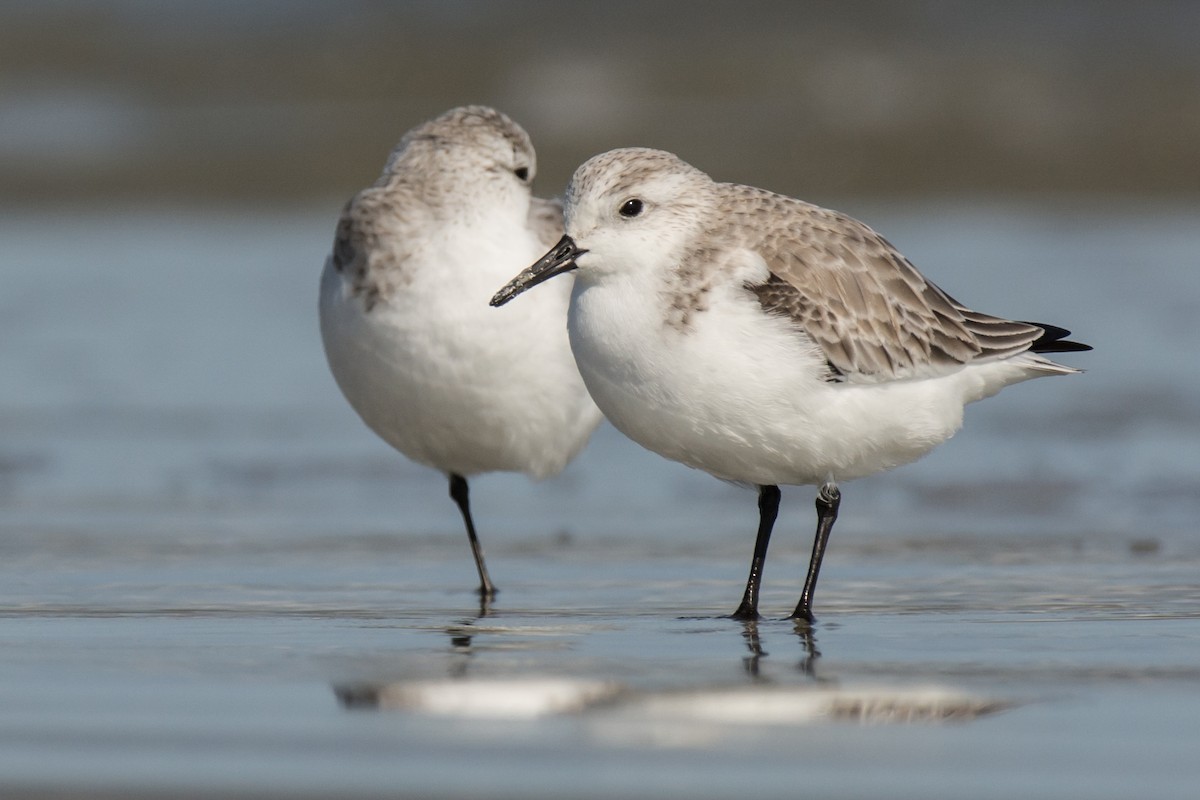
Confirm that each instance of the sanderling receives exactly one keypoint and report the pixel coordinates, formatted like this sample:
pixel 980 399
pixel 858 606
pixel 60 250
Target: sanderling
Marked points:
pixel 404 317
pixel 766 340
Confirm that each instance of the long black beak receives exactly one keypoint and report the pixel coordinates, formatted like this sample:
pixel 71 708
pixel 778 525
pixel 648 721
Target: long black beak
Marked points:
pixel 560 259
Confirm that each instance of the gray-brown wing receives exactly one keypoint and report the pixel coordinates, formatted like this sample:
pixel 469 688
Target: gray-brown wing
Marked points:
pixel 346 253
pixel 546 220
pixel 872 313
pixel 373 270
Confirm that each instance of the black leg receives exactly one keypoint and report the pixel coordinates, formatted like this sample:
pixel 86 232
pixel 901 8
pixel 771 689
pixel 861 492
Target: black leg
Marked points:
pixel 458 493
pixel 768 509
pixel 828 500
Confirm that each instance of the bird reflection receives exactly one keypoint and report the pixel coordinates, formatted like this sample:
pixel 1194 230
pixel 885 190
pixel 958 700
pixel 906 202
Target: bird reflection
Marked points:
pixel 808 642
pixel 460 646
pixel 754 644
pixel 807 665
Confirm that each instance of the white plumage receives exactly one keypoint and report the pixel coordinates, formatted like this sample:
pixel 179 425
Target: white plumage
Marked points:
pixel 404 317
pixel 766 340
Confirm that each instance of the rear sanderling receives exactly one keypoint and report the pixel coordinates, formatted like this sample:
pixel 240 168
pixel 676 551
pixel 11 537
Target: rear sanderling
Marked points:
pixel 404 317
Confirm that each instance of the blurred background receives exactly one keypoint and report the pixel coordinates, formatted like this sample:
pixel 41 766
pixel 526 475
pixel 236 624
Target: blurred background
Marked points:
pixel 283 102
pixel 170 174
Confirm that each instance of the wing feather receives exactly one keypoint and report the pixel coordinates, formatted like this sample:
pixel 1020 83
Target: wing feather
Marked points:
pixel 358 252
pixel 872 313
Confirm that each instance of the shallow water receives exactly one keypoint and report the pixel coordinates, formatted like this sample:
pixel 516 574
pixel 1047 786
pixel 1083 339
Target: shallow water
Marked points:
pixel 214 580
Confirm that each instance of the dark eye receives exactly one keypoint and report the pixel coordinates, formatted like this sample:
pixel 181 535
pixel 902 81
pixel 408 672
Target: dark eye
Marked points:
pixel 522 173
pixel 631 208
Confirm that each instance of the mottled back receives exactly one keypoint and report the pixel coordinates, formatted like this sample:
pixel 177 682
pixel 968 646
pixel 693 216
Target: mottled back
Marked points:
pixel 873 314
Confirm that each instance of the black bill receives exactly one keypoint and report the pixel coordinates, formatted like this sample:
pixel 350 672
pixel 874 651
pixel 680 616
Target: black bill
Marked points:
pixel 560 259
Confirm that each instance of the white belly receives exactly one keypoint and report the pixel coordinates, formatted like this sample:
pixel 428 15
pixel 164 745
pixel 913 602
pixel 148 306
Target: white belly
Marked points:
pixel 457 385
pixel 741 395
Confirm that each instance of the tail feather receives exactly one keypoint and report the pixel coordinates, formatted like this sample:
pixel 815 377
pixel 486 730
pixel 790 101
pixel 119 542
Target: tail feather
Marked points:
pixel 1054 340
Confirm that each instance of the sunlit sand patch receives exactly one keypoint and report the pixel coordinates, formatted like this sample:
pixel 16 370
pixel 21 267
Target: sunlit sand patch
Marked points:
pixel 490 699
pixel 535 698
pixel 796 706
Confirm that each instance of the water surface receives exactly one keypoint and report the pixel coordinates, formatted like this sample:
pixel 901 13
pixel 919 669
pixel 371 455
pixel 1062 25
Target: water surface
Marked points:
pixel 215 580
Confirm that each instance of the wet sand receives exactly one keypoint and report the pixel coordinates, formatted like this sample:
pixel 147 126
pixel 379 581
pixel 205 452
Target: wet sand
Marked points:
pixel 214 582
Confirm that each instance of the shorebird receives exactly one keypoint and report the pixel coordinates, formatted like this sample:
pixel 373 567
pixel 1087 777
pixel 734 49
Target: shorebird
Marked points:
pixel 404 317
pixel 766 340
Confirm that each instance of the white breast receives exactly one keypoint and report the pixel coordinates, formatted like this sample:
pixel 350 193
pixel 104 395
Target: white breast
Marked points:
pixel 741 394
pixel 451 382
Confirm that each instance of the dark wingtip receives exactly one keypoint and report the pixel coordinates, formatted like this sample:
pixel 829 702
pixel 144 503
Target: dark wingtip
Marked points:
pixel 1054 340
pixel 1063 347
